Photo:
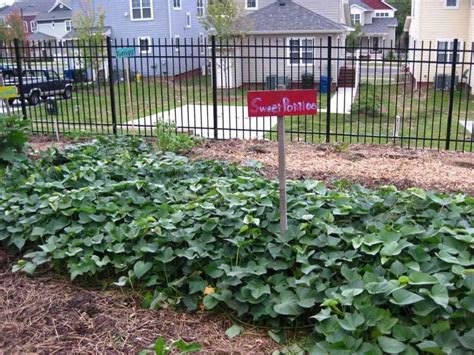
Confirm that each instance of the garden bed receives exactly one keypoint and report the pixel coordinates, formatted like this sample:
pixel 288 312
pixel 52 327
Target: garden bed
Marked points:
pixel 48 314
pixel 368 165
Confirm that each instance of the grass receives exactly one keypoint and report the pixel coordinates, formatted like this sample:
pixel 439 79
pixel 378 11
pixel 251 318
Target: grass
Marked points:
pixel 424 120
pixel 90 107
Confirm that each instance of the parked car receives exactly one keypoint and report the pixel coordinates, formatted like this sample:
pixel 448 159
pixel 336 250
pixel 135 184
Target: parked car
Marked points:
pixel 8 72
pixel 40 84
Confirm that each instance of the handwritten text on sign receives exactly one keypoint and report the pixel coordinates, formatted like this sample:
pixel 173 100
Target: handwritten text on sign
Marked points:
pixel 282 103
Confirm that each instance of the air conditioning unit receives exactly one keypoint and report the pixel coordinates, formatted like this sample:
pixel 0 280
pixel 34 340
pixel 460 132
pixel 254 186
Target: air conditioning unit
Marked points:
pixel 443 82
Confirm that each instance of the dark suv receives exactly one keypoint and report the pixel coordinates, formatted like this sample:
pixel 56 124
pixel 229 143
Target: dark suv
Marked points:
pixel 38 84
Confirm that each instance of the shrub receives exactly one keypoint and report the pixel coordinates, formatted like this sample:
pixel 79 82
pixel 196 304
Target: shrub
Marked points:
pixel 168 140
pixel 13 137
pixel 367 104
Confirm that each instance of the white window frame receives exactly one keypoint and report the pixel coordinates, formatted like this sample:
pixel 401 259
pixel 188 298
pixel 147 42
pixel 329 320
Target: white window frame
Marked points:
pixel 148 38
pixel 188 20
pixel 68 23
pixel 33 26
pixel 353 21
pixel 302 49
pixel 178 47
pixel 251 8
pixel 448 52
pixel 141 11
pixel 177 5
pixel 200 8
pixel 25 26
pixel 450 7
pixel 201 44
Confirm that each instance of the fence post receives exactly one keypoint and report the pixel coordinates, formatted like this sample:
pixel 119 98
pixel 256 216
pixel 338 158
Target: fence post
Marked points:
pixel 451 92
pixel 214 84
pixel 19 67
pixel 328 113
pixel 111 85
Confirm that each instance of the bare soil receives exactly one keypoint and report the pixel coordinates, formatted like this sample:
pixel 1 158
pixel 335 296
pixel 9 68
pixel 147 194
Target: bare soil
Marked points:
pixel 368 165
pixel 48 315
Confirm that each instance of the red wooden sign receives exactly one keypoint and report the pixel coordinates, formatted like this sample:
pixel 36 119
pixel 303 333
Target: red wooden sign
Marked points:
pixel 282 103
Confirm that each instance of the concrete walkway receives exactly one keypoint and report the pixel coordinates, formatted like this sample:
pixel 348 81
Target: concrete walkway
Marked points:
pixel 341 101
pixel 468 125
pixel 232 122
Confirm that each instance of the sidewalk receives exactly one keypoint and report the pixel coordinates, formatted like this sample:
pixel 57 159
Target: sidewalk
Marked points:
pixel 341 101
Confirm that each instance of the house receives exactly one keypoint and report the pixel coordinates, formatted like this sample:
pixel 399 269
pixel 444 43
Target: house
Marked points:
pixel 28 10
pixel 378 24
pixel 433 26
pixel 55 22
pixel 298 30
pixel 141 23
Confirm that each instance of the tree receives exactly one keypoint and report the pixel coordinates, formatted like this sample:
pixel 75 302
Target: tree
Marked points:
pixel 403 11
pixel 89 24
pixel 225 18
pixel 353 39
pixel 13 28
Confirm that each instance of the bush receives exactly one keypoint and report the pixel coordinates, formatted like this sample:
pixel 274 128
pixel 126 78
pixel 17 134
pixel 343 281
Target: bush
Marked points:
pixel 13 138
pixel 168 140
pixel 367 104
pixel 371 271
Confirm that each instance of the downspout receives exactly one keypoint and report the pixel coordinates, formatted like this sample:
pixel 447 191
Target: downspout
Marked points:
pixel 169 19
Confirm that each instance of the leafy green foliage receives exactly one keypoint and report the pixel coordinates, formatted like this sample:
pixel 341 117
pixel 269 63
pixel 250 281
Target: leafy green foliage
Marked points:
pixel 169 140
pixel 13 137
pixel 367 103
pixel 374 271
pixel 179 346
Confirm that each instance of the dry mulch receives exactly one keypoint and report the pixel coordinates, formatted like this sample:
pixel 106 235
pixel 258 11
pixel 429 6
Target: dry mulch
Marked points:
pixel 46 314
pixel 368 165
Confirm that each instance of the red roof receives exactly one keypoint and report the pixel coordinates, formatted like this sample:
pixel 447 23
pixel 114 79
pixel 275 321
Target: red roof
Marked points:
pixel 377 4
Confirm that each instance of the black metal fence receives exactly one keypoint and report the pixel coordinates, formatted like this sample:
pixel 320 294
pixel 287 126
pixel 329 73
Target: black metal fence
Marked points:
pixel 421 96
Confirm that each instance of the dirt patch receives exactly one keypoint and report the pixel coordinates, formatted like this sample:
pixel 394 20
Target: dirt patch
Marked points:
pixel 50 315
pixel 368 165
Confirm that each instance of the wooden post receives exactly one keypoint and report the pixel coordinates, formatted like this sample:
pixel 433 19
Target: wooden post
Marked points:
pixel 129 89
pixel 282 171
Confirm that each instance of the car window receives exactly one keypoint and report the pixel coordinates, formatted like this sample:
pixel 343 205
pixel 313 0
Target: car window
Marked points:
pixel 53 75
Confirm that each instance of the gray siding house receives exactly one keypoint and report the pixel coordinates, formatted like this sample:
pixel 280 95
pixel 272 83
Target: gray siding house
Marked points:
pixel 297 30
pixel 142 23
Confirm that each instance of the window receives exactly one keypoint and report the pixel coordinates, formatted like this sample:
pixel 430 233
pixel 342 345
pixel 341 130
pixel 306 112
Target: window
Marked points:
pixel 376 45
pixel 177 4
pixel 53 24
pixel 68 25
pixel 445 52
pixel 141 9
pixel 201 44
pixel 251 4
pixel 176 43
pixel 200 8
pixel 25 26
pixel 355 19
pixel 188 20
pixel 301 51
pixel 144 45
pixel 34 26
pixel 451 4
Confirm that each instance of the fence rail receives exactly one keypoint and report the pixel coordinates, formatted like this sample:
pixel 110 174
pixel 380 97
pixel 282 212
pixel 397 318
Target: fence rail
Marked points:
pixel 418 97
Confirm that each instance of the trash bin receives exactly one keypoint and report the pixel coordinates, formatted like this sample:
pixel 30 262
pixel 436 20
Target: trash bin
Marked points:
pixel 307 81
pixel 325 84
pixel 51 106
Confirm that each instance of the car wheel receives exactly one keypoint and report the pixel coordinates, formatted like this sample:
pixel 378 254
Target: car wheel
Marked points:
pixel 34 98
pixel 11 101
pixel 67 93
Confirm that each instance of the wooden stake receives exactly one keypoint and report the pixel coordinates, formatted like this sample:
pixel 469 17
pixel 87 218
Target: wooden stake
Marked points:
pixel 129 89
pixel 282 172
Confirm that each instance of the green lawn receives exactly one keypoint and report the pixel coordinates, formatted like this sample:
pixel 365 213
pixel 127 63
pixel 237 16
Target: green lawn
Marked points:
pixel 90 107
pixel 424 119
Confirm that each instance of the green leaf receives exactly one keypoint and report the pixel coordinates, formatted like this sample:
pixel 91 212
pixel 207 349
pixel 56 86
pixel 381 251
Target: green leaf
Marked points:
pixel 351 322
pixel 390 345
pixel 185 348
pixel 385 325
pixel 160 347
pixel 233 331
pixel 420 278
pixel 288 304
pixel 467 340
pixel 429 346
pixel 141 268
pixel 439 294
pixel 403 297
